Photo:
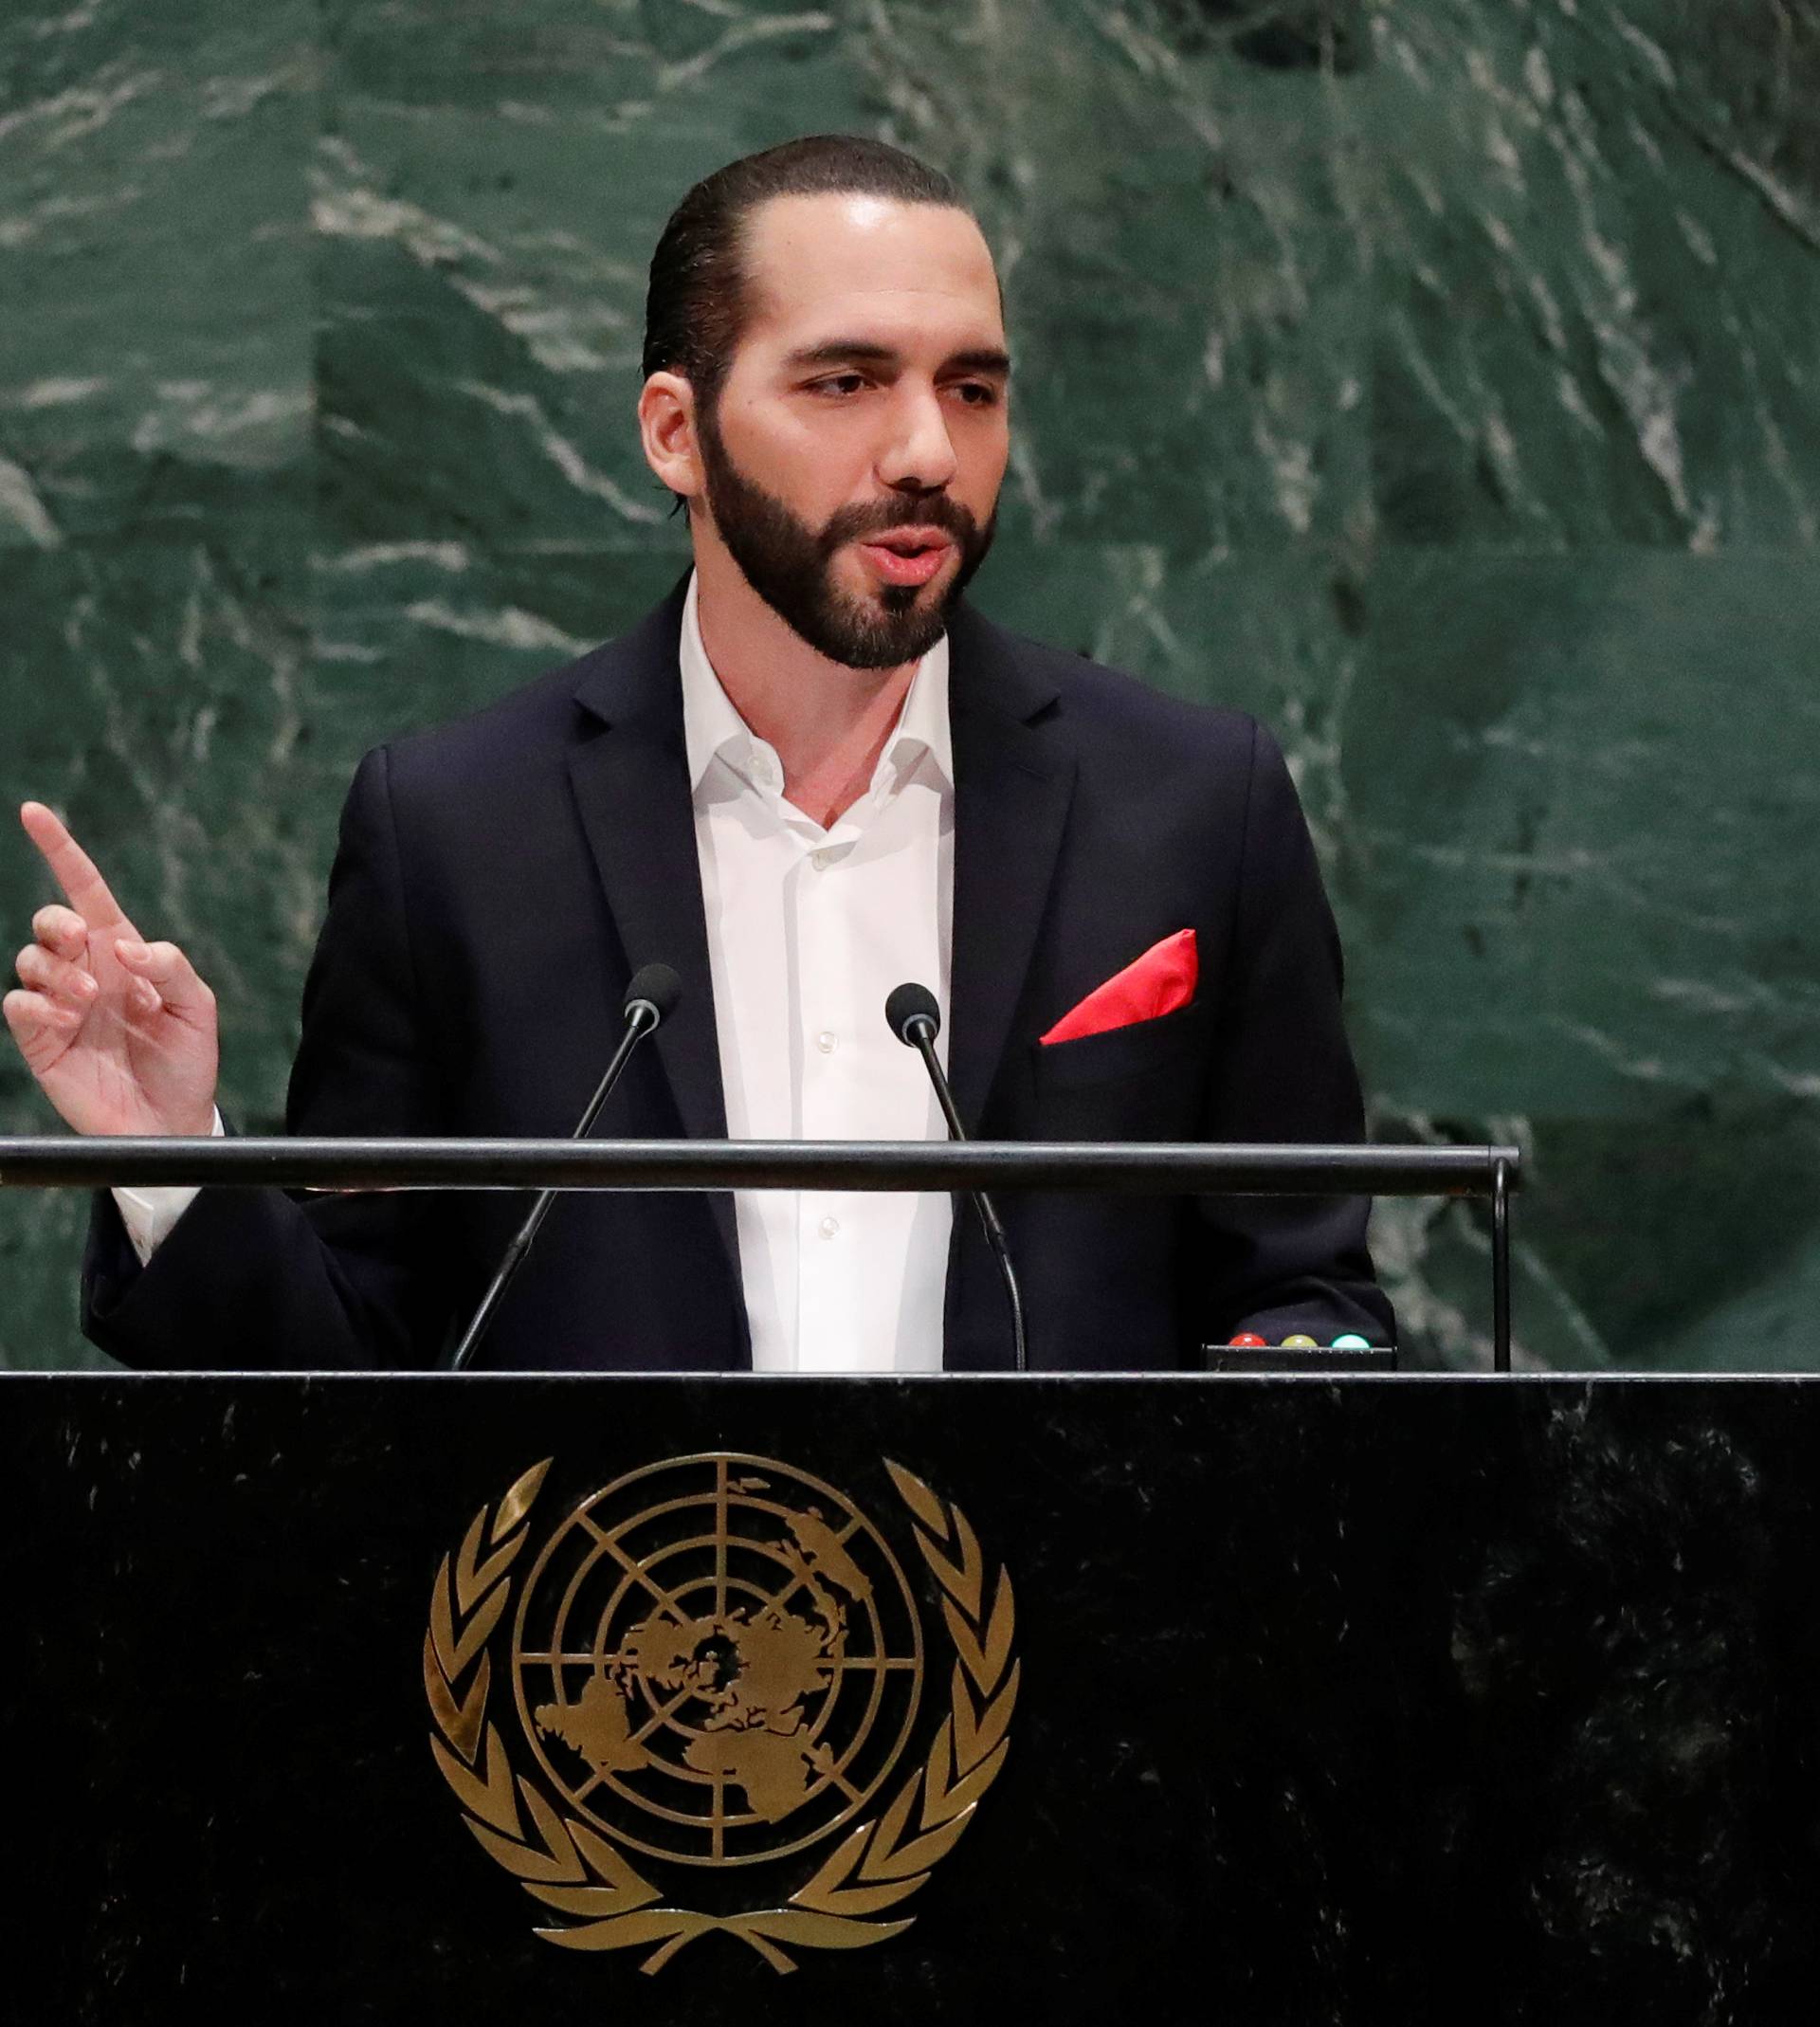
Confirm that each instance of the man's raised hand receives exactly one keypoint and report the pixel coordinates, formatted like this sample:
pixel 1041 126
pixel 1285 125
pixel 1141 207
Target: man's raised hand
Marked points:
pixel 120 1033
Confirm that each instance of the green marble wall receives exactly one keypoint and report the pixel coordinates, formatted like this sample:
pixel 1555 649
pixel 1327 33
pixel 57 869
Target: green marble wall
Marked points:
pixel 1439 380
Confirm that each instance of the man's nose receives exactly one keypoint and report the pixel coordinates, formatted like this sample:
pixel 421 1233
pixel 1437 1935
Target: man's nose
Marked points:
pixel 920 456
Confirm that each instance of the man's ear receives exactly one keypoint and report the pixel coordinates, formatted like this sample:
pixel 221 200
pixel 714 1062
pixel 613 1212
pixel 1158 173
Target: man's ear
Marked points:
pixel 667 429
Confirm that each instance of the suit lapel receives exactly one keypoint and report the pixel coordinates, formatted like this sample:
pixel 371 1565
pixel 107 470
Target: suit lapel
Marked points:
pixel 632 782
pixel 1013 781
pixel 1013 785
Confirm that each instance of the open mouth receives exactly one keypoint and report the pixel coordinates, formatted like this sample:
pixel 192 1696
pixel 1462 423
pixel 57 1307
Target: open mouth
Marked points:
pixel 907 556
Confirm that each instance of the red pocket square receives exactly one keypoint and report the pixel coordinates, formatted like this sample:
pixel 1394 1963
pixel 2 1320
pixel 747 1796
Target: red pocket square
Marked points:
pixel 1157 983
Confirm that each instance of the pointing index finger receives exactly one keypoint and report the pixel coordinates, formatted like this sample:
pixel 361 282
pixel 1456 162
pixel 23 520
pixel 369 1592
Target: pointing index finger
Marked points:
pixel 74 871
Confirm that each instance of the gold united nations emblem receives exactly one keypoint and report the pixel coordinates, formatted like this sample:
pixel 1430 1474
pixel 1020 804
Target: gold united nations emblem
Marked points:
pixel 713 1664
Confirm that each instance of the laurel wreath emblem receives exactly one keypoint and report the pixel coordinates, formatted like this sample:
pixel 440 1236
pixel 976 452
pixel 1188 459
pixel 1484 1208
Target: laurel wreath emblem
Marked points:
pixel 571 1868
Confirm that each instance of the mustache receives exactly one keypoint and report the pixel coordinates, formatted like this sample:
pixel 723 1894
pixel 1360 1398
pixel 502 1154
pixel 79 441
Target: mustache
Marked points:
pixel 852 523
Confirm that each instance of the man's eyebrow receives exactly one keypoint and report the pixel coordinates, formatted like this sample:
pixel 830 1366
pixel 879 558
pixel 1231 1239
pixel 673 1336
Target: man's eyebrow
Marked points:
pixel 986 358
pixel 836 350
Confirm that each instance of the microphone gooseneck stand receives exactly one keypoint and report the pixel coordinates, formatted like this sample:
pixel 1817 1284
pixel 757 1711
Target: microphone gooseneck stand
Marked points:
pixel 650 1000
pixel 914 1017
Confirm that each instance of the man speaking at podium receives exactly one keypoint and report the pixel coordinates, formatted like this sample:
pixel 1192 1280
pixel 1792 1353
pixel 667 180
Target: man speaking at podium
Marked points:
pixel 810 774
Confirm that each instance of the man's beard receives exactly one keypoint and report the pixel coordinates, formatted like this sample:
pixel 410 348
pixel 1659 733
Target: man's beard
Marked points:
pixel 791 566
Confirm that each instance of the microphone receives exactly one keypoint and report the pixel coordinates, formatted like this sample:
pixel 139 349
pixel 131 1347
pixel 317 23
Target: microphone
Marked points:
pixel 650 1000
pixel 914 1017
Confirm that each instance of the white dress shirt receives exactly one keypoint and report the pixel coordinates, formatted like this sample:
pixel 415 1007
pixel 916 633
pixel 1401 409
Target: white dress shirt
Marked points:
pixel 149 1213
pixel 808 930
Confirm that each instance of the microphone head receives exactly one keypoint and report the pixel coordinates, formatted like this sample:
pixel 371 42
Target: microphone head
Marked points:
pixel 655 986
pixel 909 1004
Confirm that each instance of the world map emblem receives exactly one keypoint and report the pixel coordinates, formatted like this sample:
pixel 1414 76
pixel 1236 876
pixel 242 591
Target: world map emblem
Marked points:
pixel 717 1661
pixel 715 1666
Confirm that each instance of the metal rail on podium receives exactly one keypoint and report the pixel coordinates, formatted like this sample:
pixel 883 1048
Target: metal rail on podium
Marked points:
pixel 1487 1172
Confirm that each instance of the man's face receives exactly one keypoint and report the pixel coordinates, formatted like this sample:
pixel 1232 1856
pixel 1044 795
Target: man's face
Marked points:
pixel 853 459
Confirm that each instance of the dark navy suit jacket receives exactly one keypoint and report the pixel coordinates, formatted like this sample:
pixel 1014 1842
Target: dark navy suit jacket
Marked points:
pixel 499 880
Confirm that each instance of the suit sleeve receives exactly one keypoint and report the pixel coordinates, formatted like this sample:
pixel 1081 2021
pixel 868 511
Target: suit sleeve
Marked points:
pixel 254 1279
pixel 1282 1070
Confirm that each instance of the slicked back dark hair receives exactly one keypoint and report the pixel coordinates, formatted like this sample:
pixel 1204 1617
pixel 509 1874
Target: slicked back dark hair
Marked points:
pixel 696 306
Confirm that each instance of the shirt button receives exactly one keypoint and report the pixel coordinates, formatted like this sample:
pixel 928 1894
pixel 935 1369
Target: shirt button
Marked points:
pixel 829 1226
pixel 825 1042
pixel 822 860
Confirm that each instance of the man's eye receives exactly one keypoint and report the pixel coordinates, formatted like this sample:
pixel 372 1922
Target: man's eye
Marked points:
pixel 977 394
pixel 838 383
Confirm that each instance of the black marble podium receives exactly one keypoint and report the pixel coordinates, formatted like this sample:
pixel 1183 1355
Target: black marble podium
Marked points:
pixel 1350 1701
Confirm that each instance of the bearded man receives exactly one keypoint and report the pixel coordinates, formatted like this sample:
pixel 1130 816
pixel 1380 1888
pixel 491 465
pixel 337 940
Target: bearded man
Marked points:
pixel 813 773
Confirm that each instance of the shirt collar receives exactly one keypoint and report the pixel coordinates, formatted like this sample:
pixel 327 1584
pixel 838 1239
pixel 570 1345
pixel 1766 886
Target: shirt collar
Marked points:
pixel 713 729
